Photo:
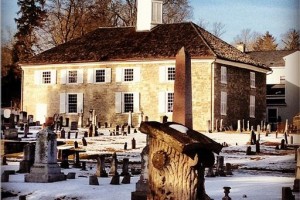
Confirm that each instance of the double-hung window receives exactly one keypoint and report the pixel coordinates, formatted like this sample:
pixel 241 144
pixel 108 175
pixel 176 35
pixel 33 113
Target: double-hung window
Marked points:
pixel 71 103
pixel 223 103
pixel 252 106
pixel 223 75
pixel 126 102
pixel 99 75
pixel 156 17
pixel 45 77
pixel 166 73
pixel 252 79
pixel 128 74
pixel 71 76
pixel 166 101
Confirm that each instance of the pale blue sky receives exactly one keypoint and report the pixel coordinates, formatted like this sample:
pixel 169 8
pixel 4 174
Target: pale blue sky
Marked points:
pixel 275 16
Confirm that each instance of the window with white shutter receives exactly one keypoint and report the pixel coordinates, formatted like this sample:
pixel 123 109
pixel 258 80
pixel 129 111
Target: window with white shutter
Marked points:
pixel 252 79
pixel 165 102
pixel 223 103
pixel 45 77
pixel 128 74
pixel 127 102
pixel 156 17
pixel 99 75
pixel 252 106
pixel 223 75
pixel 166 73
pixel 71 103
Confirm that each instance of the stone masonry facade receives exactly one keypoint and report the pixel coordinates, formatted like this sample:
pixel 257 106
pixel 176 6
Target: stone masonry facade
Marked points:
pixel 101 96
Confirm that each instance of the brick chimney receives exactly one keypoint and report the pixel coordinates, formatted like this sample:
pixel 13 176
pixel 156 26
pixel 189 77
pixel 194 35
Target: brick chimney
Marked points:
pixel 149 14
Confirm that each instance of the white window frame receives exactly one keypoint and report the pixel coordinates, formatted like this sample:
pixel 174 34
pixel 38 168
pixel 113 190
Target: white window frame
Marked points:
pixel 64 103
pixel 252 79
pixel 223 108
pixel 252 106
pixel 91 78
pixel 223 74
pixel 156 15
pixel 120 74
pixel 164 73
pixel 65 76
pixel 163 104
pixel 38 77
pixel 120 102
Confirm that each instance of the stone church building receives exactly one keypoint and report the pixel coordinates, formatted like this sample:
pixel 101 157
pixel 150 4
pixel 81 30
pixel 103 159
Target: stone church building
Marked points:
pixel 122 69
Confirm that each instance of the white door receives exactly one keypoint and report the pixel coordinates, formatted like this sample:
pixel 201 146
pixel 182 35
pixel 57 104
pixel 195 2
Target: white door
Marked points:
pixel 41 112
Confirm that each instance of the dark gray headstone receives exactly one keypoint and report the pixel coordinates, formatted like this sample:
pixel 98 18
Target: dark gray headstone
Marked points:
pixel 93 180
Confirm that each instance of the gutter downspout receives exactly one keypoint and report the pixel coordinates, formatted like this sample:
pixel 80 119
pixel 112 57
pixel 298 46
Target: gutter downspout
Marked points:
pixel 22 87
pixel 212 96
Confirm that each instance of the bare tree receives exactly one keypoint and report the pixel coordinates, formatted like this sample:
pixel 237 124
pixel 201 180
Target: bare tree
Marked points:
pixel 247 37
pixel 202 23
pixel 176 11
pixel 218 29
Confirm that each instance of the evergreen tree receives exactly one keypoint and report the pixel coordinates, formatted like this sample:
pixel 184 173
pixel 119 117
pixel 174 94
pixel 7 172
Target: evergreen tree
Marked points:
pixel 291 40
pixel 265 43
pixel 32 15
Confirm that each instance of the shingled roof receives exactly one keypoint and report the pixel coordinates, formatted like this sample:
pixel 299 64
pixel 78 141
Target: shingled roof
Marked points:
pixel 270 58
pixel 124 43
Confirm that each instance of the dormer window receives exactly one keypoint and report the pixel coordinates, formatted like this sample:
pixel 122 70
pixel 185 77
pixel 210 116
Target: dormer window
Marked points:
pixel 156 17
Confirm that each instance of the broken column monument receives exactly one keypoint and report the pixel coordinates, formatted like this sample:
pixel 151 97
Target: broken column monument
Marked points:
pixel 45 168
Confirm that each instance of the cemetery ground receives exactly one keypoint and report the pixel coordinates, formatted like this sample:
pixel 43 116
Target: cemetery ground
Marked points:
pixel 259 176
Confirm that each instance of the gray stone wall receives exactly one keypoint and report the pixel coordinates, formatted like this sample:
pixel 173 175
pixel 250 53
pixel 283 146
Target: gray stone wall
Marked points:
pixel 238 96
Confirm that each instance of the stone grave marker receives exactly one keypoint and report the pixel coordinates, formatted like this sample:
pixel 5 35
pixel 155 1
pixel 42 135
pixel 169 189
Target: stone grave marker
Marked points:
pixel 210 172
pixel 63 133
pixel 220 166
pixel 142 186
pixel 100 171
pixel 114 170
pixel 45 168
pixel 125 172
pixel 228 169
pixel 93 180
pixel 182 106
pixel 133 143
pixel 296 186
pixel 28 158
pixel 84 143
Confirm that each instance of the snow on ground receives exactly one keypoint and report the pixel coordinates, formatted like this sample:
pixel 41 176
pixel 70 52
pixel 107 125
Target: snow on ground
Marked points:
pixel 256 177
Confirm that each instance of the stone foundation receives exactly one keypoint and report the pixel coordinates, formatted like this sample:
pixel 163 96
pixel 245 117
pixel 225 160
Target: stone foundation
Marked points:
pixel 45 173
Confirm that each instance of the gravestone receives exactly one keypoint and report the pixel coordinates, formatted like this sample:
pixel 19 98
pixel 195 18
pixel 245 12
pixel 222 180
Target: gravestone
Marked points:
pixel 257 145
pixel 285 138
pixel 182 106
pixel 4 160
pixel 296 186
pixel 239 126
pixel 220 166
pixel 93 180
pixel 210 172
pixel 221 125
pixel 100 171
pixel 115 180
pixel 248 125
pixel 142 186
pixel 26 130
pixel 71 175
pixel 63 133
pixel 5 177
pixel 75 144
pixel 129 119
pixel 84 143
pixel 125 146
pixel 125 173
pixel 282 144
pixel 248 151
pixel 133 143
pixel 83 166
pixel 164 119
pixel 216 125
pixel 228 169
pixel 45 168
pixel 287 194
pixel 28 158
